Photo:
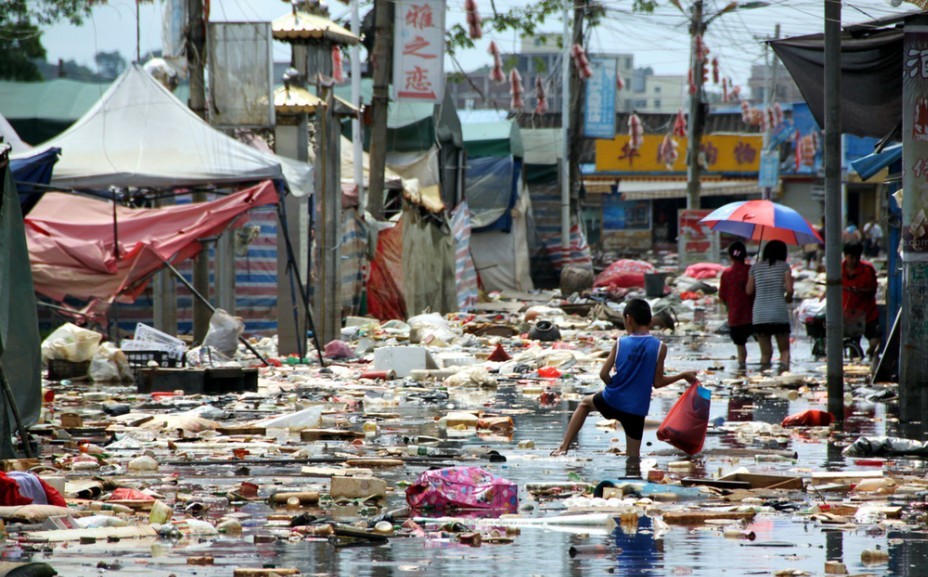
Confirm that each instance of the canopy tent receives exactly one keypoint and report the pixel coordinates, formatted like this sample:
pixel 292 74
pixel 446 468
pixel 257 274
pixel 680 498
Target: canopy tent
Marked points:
pixel 20 362
pixel 140 135
pixel 499 202
pixel 78 248
pixel 31 174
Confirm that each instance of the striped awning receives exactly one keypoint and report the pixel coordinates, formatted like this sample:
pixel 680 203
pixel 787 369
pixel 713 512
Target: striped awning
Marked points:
pixel 633 189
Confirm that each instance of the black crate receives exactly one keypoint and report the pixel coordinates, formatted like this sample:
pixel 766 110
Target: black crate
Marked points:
pixel 59 370
pixel 141 359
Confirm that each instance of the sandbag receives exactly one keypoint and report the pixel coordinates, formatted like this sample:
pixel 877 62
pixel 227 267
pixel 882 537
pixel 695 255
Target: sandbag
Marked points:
pixel 463 487
pixel 685 425
pixel 575 280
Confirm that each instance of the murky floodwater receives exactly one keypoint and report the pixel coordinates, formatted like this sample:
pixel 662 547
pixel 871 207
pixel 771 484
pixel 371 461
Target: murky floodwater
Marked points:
pixel 783 539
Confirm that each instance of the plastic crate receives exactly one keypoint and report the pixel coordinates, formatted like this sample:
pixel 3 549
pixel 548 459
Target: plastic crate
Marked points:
pixel 59 370
pixel 142 359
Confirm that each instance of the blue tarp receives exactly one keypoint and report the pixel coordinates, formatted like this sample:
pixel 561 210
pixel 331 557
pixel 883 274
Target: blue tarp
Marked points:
pixel 492 190
pixel 31 171
pixel 869 165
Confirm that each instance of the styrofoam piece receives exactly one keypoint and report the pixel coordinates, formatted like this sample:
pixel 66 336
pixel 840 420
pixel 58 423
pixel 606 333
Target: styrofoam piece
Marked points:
pixel 456 360
pixel 403 360
pixel 310 417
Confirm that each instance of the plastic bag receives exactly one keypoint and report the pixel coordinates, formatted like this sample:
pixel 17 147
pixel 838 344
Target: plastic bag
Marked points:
pixel 624 273
pixel 110 364
pixel 70 342
pixel 223 333
pixel 466 487
pixel 685 425
pixel 808 418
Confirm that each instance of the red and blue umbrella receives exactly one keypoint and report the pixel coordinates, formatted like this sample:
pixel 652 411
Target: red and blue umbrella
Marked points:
pixel 763 220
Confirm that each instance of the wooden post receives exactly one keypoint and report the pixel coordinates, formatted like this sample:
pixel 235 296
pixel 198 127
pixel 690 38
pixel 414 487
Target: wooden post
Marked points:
pixel 327 299
pixel 196 53
pixel 291 137
pixel 380 102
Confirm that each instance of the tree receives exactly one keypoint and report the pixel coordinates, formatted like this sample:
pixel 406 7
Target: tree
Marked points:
pixel 110 64
pixel 20 37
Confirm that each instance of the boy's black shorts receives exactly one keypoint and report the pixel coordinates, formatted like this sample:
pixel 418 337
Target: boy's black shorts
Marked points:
pixel 633 424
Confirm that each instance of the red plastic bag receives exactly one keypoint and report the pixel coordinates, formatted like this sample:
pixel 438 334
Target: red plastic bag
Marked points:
pixel 809 418
pixel 685 425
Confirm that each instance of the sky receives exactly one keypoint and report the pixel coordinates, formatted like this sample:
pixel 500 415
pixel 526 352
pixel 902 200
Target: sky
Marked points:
pixel 659 40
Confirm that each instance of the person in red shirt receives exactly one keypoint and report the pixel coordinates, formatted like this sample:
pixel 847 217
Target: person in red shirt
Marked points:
pixel 858 278
pixel 740 304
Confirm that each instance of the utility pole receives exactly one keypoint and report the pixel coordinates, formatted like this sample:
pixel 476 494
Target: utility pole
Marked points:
pixel 380 102
pixel 770 96
pixel 196 57
pixel 696 116
pixel 577 91
pixel 356 137
pixel 565 137
pixel 834 324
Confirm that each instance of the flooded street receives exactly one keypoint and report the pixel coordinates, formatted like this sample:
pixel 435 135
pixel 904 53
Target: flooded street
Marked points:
pixel 781 538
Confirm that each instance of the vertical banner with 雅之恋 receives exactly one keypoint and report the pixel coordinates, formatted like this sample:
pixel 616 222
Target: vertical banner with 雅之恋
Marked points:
pixel 599 104
pixel 419 50
pixel 915 145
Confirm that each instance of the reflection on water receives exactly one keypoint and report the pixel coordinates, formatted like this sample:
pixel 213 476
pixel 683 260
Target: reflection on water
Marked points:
pixel 638 554
pixel 785 540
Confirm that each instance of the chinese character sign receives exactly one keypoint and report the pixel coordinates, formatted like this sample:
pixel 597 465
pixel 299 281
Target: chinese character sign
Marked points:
pixel 599 112
pixel 915 144
pixel 419 50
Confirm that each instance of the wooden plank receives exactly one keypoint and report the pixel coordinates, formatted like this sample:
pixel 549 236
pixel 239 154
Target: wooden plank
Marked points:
pixel 374 462
pixel 717 483
pixel 310 471
pixel 245 430
pixel 264 572
pixel 62 535
pixel 845 475
pixel 697 517
pixel 763 481
pixel 310 435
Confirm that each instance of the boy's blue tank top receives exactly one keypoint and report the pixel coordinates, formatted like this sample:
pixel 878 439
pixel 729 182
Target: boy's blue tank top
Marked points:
pixel 635 363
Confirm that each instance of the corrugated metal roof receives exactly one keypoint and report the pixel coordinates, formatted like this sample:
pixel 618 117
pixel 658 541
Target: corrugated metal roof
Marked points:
pixel 297 26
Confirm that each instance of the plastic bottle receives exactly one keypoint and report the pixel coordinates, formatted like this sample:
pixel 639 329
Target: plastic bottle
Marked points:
pixel 424 451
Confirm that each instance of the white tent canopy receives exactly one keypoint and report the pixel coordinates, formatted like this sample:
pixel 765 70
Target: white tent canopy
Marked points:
pixel 10 137
pixel 139 134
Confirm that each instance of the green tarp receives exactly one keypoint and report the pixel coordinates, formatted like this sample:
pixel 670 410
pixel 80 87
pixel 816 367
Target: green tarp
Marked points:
pixel 20 360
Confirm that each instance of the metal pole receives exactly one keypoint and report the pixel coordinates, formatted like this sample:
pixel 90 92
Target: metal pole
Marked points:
pixel 565 129
pixel 694 130
pixel 356 138
pixel 834 324
pixel 14 409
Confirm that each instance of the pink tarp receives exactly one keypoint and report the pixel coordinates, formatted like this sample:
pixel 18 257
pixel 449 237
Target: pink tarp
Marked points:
pixel 72 246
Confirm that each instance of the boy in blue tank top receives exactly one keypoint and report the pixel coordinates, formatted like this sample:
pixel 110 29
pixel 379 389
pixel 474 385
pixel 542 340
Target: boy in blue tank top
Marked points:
pixel 638 360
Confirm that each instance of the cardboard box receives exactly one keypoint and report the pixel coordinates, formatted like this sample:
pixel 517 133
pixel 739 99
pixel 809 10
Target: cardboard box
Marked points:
pixel 357 487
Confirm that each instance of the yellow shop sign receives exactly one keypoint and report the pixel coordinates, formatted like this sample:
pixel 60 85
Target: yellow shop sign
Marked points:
pixel 723 153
